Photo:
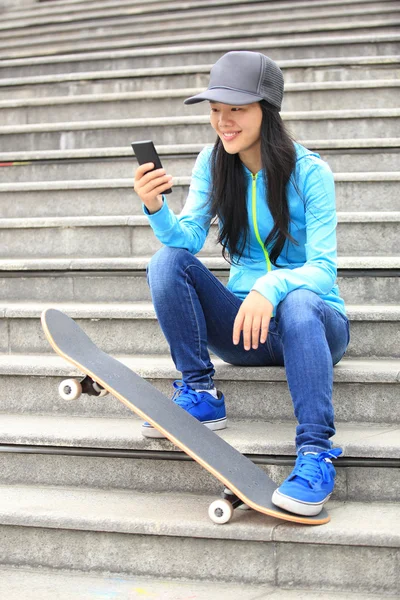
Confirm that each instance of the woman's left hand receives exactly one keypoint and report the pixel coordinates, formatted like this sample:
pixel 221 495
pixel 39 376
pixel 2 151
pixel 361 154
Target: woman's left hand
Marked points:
pixel 253 318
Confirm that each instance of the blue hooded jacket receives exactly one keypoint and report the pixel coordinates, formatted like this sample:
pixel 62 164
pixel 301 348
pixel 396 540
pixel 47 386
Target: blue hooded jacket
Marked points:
pixel 310 265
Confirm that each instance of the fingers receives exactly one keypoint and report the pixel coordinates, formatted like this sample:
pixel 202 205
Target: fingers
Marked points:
pixel 247 331
pixel 264 329
pixel 237 327
pixel 255 330
pixel 149 183
pixel 144 178
pixel 151 186
pixel 142 169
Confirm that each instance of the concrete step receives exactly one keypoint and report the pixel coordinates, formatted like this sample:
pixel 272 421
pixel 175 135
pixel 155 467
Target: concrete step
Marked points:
pixel 166 78
pixel 75 7
pixel 362 280
pixel 357 440
pixel 347 124
pixel 324 96
pixel 345 45
pixel 345 155
pixel 25 16
pixel 371 284
pixel 354 192
pixel 248 17
pixel 129 11
pixel 102 12
pixel 121 532
pixel 358 234
pixel 212 31
pixel 364 391
pixel 132 328
pixel 45 584
pixel 359 480
pixel 59 450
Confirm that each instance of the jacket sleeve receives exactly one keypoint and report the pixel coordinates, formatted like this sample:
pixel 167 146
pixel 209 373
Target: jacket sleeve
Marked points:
pixel 190 229
pixel 318 274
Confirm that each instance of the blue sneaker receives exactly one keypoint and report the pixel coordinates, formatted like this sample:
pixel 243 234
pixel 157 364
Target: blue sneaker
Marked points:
pixel 203 406
pixel 309 485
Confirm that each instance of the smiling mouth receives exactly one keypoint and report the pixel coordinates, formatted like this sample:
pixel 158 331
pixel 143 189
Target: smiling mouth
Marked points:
pixel 230 136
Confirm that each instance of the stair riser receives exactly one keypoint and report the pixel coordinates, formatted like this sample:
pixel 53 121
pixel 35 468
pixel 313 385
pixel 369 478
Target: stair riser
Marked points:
pixel 185 134
pixel 144 336
pixel 280 564
pixel 354 239
pixel 191 56
pixel 173 82
pixel 263 400
pixel 361 484
pixel 359 128
pixel 350 196
pixel 130 287
pixel 42 43
pixel 124 167
pixel 151 20
pixel 209 36
pixel 64 16
pixel 158 107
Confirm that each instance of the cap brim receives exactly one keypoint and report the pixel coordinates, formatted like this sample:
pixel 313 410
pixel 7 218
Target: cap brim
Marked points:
pixel 225 96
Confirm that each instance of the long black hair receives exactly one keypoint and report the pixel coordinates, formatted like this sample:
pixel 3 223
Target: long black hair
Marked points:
pixel 229 189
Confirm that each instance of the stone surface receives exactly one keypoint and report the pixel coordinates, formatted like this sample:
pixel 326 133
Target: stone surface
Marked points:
pixel 322 96
pixel 356 439
pixel 344 45
pixel 358 534
pixel 131 328
pixel 313 126
pixel 20 583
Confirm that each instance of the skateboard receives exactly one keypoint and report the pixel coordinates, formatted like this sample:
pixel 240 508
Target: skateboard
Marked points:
pixel 245 483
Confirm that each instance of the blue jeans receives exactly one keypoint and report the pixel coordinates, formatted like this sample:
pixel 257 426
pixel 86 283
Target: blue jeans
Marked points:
pixel 196 312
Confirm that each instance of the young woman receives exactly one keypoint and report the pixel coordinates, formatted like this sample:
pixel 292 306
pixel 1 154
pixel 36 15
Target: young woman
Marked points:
pixel 275 204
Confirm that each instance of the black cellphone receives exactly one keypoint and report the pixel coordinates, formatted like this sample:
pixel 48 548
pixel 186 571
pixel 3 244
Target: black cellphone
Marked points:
pixel 145 152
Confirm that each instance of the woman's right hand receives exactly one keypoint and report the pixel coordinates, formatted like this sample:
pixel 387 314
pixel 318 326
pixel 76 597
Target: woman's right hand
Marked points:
pixel 149 185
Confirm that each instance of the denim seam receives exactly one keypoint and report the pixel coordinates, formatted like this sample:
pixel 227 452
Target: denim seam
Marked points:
pixel 197 324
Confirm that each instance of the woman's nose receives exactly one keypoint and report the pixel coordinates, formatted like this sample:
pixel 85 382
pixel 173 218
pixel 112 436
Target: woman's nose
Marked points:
pixel 224 118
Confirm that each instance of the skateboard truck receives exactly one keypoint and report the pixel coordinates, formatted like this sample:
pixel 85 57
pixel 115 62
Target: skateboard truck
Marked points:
pixel 71 389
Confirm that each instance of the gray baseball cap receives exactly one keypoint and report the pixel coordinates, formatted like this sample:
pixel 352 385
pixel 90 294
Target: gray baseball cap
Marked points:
pixel 242 78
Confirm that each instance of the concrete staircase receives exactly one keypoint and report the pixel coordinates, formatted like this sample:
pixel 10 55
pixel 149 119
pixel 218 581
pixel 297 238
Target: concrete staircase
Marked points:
pixel 88 507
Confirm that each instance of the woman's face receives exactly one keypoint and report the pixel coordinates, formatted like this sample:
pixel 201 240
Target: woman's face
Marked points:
pixel 239 127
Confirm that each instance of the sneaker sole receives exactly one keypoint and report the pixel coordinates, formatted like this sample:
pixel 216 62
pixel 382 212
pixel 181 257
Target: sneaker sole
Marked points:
pixel 152 432
pixel 306 509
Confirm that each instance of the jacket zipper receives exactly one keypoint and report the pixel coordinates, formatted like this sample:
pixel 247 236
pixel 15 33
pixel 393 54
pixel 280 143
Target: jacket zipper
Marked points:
pixel 254 211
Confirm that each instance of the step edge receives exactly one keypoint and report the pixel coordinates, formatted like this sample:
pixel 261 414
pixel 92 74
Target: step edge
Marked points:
pixel 349 370
pixel 342 530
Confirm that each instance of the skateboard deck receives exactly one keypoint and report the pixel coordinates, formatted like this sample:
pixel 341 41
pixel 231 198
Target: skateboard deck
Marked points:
pixel 248 483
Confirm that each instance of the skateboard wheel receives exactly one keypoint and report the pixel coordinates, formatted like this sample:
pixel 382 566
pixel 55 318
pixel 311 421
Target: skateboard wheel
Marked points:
pixel 220 511
pixel 70 389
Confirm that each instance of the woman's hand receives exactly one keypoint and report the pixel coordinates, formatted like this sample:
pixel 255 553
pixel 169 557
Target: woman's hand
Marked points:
pixel 253 318
pixel 149 185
